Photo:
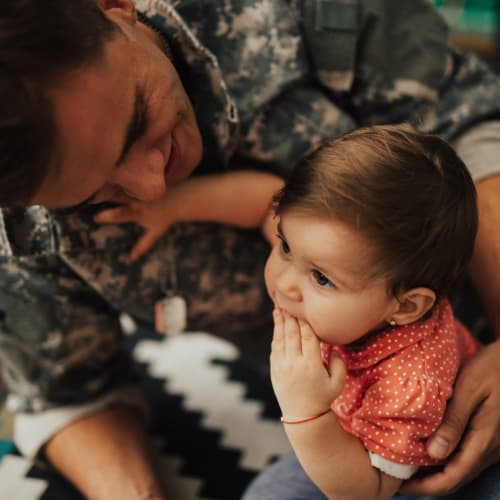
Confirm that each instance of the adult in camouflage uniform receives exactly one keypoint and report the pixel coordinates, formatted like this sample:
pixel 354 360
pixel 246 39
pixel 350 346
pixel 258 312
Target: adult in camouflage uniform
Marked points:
pixel 268 80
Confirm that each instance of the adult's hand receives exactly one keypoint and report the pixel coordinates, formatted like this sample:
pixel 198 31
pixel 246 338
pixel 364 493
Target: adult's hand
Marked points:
pixel 474 413
pixel 470 432
pixel 155 217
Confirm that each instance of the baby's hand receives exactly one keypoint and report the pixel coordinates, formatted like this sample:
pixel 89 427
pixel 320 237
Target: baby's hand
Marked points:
pixel 302 384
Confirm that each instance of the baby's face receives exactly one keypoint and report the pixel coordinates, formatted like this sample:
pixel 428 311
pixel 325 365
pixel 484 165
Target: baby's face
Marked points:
pixel 320 272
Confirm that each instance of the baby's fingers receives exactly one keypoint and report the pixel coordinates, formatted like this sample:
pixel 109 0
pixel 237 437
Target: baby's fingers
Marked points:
pixel 293 342
pixel 337 370
pixel 278 342
pixel 310 343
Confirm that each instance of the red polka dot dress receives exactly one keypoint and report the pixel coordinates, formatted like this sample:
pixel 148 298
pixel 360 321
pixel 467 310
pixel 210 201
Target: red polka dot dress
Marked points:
pixel 397 385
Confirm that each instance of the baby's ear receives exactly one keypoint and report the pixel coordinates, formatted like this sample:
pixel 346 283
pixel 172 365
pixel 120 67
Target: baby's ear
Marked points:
pixel 413 304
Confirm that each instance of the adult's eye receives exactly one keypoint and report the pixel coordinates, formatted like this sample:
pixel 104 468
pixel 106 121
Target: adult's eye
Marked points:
pixel 321 279
pixel 137 126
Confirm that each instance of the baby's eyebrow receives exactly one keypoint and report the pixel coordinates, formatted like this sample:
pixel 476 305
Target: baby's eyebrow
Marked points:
pixel 279 228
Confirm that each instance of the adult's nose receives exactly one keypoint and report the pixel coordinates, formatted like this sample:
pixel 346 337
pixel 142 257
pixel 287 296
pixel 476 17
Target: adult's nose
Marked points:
pixel 142 176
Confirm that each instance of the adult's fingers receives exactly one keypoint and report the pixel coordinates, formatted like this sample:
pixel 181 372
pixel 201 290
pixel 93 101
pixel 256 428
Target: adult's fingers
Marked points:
pixel 466 398
pixel 144 243
pixel 115 215
pixel 462 468
pixel 476 393
pixel 439 483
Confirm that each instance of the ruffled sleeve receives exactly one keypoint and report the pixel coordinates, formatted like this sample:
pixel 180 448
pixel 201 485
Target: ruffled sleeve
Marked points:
pixel 398 413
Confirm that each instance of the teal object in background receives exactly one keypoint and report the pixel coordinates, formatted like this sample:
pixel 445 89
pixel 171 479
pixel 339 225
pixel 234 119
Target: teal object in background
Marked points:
pixel 471 16
pixel 6 447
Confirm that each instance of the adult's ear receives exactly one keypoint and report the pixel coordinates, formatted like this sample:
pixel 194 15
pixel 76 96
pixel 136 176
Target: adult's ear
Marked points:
pixel 122 8
pixel 413 304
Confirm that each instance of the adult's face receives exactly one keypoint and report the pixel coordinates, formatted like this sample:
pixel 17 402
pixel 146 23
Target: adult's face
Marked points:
pixel 125 124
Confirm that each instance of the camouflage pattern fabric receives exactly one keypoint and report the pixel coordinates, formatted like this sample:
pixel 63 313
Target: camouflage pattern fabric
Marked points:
pixel 269 80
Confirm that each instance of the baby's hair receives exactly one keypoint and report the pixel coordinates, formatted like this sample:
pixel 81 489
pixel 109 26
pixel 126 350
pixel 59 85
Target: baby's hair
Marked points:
pixel 408 192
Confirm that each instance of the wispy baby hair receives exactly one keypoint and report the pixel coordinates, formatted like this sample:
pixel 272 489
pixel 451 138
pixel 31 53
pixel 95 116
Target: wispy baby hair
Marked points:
pixel 407 191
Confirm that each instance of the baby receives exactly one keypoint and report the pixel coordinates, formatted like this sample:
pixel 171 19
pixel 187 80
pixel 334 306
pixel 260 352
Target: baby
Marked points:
pixel 376 229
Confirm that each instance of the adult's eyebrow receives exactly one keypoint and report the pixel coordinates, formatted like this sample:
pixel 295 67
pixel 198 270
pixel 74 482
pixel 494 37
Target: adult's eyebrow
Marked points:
pixel 136 126
pixel 135 129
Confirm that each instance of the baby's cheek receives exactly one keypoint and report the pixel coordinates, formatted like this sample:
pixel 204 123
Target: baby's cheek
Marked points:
pixel 268 275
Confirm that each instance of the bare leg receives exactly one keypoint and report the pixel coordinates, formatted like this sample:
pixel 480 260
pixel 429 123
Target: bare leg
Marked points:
pixel 107 455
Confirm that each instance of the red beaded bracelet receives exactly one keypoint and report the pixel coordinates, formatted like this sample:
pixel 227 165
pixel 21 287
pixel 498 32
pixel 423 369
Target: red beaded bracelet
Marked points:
pixel 307 419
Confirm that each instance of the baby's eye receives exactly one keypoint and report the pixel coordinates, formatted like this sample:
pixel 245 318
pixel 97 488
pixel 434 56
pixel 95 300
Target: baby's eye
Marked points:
pixel 285 249
pixel 321 279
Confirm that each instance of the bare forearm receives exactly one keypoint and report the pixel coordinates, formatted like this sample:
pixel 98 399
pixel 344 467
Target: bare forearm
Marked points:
pixel 107 455
pixel 335 461
pixel 485 266
pixel 240 198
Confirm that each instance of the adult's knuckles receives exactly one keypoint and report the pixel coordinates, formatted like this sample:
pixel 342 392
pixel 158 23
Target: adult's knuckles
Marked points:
pixel 452 480
pixel 434 486
pixel 470 385
pixel 453 426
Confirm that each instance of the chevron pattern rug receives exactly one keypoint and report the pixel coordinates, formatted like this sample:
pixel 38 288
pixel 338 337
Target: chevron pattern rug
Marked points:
pixel 215 416
pixel 215 421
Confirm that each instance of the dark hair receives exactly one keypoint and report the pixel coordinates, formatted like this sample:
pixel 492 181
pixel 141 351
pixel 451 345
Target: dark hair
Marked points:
pixel 407 191
pixel 39 40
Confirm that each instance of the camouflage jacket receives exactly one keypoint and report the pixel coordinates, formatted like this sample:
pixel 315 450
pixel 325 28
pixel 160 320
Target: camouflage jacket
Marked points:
pixel 269 79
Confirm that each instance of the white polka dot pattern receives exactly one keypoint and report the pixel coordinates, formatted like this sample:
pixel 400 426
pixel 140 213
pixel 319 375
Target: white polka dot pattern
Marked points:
pixel 398 383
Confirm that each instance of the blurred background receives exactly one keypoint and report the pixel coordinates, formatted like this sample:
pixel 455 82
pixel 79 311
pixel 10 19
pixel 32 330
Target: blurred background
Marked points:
pixel 475 26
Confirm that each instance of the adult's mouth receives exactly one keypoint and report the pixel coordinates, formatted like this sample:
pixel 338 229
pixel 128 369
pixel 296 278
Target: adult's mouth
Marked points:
pixel 173 160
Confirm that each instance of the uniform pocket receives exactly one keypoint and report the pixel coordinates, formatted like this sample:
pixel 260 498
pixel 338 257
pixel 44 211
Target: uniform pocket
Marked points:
pixel 331 30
